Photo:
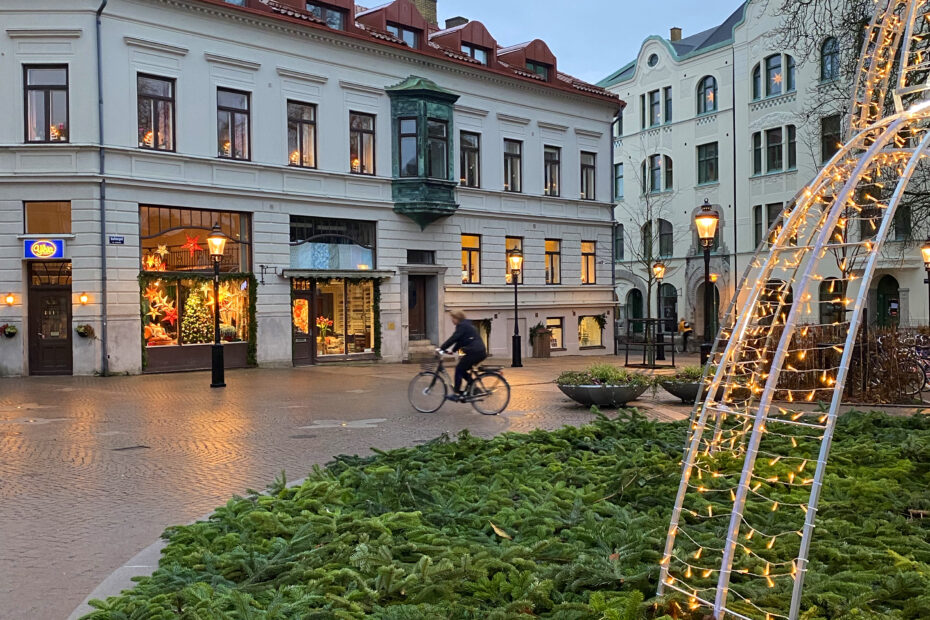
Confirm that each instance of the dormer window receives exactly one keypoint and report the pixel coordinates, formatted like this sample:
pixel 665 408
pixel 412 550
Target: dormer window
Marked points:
pixel 334 18
pixel 408 35
pixel 538 68
pixel 478 53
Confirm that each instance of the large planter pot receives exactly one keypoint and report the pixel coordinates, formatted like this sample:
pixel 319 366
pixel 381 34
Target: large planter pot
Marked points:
pixel 602 395
pixel 687 392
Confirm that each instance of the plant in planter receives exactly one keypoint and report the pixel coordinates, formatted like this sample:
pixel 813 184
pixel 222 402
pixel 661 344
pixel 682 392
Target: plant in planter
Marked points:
pixel 8 330
pixel 228 333
pixel 85 331
pixel 604 385
pixel 685 384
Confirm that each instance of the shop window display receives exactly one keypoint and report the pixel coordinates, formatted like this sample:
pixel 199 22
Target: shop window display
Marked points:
pixel 341 315
pixel 180 312
pixel 175 239
pixel 590 331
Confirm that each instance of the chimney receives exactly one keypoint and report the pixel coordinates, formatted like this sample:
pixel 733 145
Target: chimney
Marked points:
pixel 453 22
pixel 427 9
pixel 675 35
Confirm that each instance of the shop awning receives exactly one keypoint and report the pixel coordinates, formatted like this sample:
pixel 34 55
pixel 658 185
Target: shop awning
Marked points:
pixel 338 274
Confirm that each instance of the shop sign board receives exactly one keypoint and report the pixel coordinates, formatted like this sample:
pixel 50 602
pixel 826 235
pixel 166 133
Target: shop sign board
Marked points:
pixel 43 249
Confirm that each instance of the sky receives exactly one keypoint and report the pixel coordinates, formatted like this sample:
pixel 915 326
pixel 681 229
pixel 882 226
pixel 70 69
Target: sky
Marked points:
pixel 590 38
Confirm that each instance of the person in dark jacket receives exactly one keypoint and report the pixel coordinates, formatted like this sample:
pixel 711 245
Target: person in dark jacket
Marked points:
pixel 467 340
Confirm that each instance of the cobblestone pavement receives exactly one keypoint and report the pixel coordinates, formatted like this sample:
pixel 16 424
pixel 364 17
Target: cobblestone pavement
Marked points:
pixel 92 470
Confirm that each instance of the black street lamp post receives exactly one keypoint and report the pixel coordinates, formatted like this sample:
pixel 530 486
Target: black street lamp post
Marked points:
pixel 515 259
pixel 706 223
pixel 216 240
pixel 658 271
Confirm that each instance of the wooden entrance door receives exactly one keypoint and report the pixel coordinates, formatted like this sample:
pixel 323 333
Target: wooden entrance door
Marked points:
pixel 50 319
pixel 416 307
pixel 302 323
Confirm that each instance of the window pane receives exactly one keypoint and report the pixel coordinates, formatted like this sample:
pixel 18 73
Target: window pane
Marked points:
pixel 37 129
pixel 589 332
pixel 773 142
pixel 241 136
pixel 335 19
pixel 308 138
pixel 165 134
pixel 51 76
pixel 360 335
pixel 408 126
pixel 362 121
pixel 48 218
pixel 408 156
pixel 774 77
pixel 329 318
pixel 58 123
pixel 368 153
pixel 555 326
pixel 293 146
pixel 229 99
pixel 161 315
pixel 224 137
pixel 154 87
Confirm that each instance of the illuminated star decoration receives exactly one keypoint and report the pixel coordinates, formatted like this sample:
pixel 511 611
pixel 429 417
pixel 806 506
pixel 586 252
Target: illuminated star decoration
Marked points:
pixel 171 315
pixel 151 262
pixel 192 245
pixel 151 292
pixel 162 251
pixel 153 312
pixel 777 78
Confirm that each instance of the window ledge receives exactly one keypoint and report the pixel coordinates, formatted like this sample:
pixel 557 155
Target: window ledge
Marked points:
pixel 773 173
pixel 558 349
pixel 590 347
pixel 66 236
pixel 708 184
pixel 707 114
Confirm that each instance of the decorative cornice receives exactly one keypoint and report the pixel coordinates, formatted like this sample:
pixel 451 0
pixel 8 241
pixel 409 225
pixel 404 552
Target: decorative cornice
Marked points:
pixel 300 75
pixel 44 33
pixel 552 126
pixel 364 88
pixel 232 62
pixel 156 46
pixel 519 120
pixel 462 109
pixel 588 133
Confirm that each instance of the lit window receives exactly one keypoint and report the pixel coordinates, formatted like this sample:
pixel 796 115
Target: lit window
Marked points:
pixel 361 143
pixel 590 333
pixel 232 124
pixel 553 261
pixel 471 259
pixel 48 218
pixel 301 134
pixel 554 325
pixel 552 159
pixel 46 91
pixel 470 159
pixel 589 262
pixel 707 95
pixel 588 175
pixel 156 112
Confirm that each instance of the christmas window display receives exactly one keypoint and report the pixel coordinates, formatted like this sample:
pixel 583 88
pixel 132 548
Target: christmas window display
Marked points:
pixel 341 314
pixel 181 311
pixel 330 318
pixel 175 239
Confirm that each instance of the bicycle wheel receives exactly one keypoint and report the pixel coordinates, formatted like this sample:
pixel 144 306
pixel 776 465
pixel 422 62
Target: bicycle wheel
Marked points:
pixel 427 392
pixel 489 394
pixel 912 379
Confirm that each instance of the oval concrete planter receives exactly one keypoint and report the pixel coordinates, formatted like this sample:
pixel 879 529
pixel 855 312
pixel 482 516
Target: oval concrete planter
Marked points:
pixel 602 395
pixel 687 392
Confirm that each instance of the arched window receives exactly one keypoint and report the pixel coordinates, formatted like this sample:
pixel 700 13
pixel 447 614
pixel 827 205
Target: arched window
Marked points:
pixel 666 238
pixel 829 60
pixel 707 95
pixel 774 76
pixel 832 308
pixel 757 82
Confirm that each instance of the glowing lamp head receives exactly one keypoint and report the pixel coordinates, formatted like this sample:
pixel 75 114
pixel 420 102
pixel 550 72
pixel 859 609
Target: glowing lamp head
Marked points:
pixel 10 299
pixel 515 260
pixel 714 277
pixel 658 270
pixel 706 223
pixel 217 242
pixel 83 298
pixel 925 251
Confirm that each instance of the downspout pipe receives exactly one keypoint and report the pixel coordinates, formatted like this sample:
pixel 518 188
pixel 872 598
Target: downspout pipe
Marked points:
pixel 105 357
pixel 735 269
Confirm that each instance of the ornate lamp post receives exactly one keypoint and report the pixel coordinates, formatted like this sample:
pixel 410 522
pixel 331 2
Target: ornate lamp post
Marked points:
pixel 658 272
pixel 515 260
pixel 925 251
pixel 706 224
pixel 216 240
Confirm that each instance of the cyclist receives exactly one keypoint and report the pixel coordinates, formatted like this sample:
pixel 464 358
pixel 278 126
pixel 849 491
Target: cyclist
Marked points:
pixel 464 339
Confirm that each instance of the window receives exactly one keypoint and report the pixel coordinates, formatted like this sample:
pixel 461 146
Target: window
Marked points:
pixel 589 262
pixel 757 153
pixel 792 147
pixel 471 259
pixel 334 18
pixel 343 318
pixel 646 238
pixel 774 80
pixel 47 218
pixel 554 325
pixel 470 159
pixel 830 137
pixel 902 223
pixel 301 134
pixel 829 60
pixel 762 226
pixel 669 176
pixel 407 35
pixel 552 170
pixel 774 155
pixel 666 238
pixel 232 124
pixel 421 257
pixel 46 91
pixel 791 74
pixel 653 177
pixel 642 111
pixel 707 163
pixel 653 60
pixel 832 295
pixel 757 83
pixel 175 239
pixel 407 134
pixel 618 181
pixel 553 261
pixel 618 243
pixel 655 108
pixel 667 91
pixel 590 333
pixel 437 149
pixel 155 108
pixel 511 244
pixel 478 53
pixel 180 311
pixel 617 127
pixel 588 175
pixel 538 68
pixel 707 95
pixel 322 243
pixel 513 166
pixel 361 143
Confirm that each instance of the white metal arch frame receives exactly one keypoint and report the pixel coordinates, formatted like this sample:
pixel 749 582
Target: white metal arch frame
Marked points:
pixel 757 345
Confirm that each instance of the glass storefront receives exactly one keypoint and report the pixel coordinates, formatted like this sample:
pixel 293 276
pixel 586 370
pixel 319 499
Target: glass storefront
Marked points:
pixel 337 315
pixel 179 312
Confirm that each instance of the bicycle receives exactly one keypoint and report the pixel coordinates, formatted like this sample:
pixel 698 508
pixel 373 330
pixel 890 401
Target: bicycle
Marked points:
pixel 486 389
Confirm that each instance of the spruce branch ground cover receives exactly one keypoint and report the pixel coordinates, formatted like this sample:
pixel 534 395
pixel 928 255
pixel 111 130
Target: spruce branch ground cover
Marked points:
pixel 567 524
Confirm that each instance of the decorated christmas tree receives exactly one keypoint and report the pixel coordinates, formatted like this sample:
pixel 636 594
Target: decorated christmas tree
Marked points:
pixel 197 324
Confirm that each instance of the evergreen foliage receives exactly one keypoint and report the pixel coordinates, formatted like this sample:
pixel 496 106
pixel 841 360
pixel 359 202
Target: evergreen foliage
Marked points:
pixel 568 525
pixel 197 324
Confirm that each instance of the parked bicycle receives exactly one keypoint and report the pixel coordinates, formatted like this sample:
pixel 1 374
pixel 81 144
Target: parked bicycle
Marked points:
pixel 486 389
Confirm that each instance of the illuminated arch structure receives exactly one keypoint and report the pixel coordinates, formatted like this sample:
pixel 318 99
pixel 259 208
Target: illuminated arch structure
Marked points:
pixel 752 449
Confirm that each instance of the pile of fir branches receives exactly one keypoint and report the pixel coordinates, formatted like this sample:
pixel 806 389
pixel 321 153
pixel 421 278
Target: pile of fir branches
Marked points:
pixel 567 524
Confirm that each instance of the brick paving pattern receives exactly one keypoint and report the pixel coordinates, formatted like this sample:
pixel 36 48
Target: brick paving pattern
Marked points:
pixel 92 470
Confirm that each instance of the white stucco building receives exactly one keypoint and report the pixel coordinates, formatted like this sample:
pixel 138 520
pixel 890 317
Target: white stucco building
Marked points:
pixel 729 116
pixel 369 168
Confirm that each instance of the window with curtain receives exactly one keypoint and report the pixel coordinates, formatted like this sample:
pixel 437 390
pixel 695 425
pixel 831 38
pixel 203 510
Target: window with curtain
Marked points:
pixel 589 262
pixel 513 166
pixel 655 108
pixel 470 163
pixel 361 143
pixel 155 110
pixel 707 95
pixel 471 259
pixel 301 134
pixel 46 94
pixel 232 124
pixel 47 218
pixel 553 261
pixel 552 170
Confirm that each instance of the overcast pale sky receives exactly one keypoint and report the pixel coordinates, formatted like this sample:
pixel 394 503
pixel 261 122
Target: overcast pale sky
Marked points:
pixel 591 38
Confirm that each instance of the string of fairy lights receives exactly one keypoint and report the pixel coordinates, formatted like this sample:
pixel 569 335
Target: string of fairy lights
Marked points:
pixel 751 478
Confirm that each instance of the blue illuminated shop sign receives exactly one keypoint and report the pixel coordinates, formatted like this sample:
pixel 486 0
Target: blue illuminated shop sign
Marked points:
pixel 43 249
